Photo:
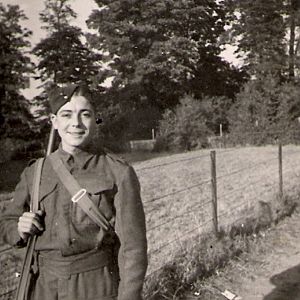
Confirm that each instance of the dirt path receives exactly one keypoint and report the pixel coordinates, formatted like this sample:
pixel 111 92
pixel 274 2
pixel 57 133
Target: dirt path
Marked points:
pixel 278 278
pixel 281 280
pixel 270 272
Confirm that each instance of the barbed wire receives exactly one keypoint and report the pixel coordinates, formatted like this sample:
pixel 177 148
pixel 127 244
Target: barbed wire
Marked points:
pixel 192 210
pixel 232 192
pixel 241 203
pixel 178 191
pixel 208 181
pixel 246 168
pixel 172 162
pixel 173 241
pixel 180 237
pixel 188 159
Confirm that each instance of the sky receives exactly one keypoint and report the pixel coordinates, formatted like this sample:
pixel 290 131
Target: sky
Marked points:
pixel 83 8
pixel 32 8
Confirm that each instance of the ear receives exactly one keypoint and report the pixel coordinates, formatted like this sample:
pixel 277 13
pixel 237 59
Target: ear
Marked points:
pixel 53 119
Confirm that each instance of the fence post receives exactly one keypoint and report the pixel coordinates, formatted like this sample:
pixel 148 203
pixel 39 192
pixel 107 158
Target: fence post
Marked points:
pixel 214 191
pixel 280 170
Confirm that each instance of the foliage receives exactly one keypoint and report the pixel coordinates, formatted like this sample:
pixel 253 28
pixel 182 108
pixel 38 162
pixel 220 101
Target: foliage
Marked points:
pixel 9 147
pixel 260 32
pixel 63 57
pixel 18 149
pixel 216 110
pixel 265 111
pixel 122 124
pixel 160 50
pixel 15 67
pixel 185 128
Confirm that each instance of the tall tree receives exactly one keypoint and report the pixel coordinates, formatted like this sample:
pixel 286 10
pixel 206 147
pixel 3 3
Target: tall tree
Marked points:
pixel 160 50
pixel 15 67
pixel 292 13
pixel 63 56
pixel 260 31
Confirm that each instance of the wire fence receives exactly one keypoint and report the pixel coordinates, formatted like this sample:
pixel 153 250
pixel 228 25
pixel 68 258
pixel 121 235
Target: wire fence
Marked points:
pixel 196 202
pixel 211 214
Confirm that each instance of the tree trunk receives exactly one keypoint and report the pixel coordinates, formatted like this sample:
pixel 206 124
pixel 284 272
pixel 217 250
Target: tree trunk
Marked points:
pixel 292 44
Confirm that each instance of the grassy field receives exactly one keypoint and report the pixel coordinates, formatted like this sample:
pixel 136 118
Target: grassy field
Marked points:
pixel 176 191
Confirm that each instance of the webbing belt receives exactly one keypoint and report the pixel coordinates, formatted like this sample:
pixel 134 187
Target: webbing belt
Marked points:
pixel 26 271
pixel 79 195
pixel 64 269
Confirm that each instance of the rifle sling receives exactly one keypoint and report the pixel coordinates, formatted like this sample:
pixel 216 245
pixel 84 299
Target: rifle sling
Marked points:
pixel 79 194
pixel 34 206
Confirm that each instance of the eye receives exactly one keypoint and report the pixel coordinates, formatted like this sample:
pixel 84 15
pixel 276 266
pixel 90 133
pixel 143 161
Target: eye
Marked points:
pixel 86 114
pixel 66 115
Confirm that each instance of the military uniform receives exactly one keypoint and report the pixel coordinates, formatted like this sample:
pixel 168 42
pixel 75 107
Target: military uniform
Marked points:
pixel 74 259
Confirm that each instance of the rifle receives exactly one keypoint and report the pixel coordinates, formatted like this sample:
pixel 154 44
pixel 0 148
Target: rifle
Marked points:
pixel 27 271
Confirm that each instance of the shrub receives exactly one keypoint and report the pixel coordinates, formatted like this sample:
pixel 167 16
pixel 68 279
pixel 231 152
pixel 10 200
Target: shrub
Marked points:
pixel 9 148
pixel 265 112
pixel 185 128
pixel 17 149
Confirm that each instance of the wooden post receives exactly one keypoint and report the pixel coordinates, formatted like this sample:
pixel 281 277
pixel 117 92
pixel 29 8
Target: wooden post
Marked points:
pixel 280 170
pixel 214 191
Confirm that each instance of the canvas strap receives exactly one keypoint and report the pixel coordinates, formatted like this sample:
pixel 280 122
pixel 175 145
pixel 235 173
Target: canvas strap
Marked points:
pixel 79 195
pixel 26 271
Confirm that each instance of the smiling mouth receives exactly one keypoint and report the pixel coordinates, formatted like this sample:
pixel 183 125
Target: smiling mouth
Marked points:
pixel 76 133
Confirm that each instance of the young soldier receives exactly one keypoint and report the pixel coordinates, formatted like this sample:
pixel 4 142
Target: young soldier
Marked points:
pixel 75 258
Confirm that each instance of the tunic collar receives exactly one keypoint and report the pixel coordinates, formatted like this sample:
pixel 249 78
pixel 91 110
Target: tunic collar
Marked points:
pixel 80 158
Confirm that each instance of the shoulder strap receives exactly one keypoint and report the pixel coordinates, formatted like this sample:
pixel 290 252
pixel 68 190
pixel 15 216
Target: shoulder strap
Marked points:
pixel 79 195
pixel 34 205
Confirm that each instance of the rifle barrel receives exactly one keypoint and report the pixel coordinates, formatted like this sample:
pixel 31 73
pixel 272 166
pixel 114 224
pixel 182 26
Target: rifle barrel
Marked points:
pixel 51 141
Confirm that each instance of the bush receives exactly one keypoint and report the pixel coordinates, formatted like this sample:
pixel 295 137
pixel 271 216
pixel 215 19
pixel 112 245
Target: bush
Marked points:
pixel 185 128
pixel 17 149
pixel 266 111
pixel 9 148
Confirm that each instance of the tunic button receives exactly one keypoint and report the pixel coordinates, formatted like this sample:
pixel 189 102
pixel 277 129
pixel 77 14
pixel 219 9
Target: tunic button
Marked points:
pixel 56 223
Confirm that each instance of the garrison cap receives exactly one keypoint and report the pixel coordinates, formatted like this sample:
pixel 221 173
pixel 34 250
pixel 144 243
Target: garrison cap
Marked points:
pixel 59 96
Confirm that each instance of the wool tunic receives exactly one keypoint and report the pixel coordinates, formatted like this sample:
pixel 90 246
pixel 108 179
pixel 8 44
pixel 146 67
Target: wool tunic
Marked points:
pixel 104 268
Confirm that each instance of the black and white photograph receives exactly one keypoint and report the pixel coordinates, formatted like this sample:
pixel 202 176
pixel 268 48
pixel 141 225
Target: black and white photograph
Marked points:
pixel 149 150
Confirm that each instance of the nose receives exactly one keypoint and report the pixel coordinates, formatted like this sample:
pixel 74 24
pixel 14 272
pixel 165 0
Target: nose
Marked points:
pixel 76 121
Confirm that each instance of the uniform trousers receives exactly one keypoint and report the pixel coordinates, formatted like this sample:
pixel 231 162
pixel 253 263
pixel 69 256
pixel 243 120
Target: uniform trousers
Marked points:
pixel 65 281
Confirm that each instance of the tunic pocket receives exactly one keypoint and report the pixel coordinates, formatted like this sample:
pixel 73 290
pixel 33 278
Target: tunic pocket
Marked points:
pixel 96 187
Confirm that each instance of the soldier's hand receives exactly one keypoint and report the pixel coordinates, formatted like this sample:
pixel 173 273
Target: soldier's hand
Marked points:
pixel 30 224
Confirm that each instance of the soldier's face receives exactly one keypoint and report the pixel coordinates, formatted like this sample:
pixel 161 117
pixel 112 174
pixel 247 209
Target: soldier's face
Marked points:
pixel 75 123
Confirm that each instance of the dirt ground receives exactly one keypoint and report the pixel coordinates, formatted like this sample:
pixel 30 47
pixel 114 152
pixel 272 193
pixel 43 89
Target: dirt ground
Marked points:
pixel 271 271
